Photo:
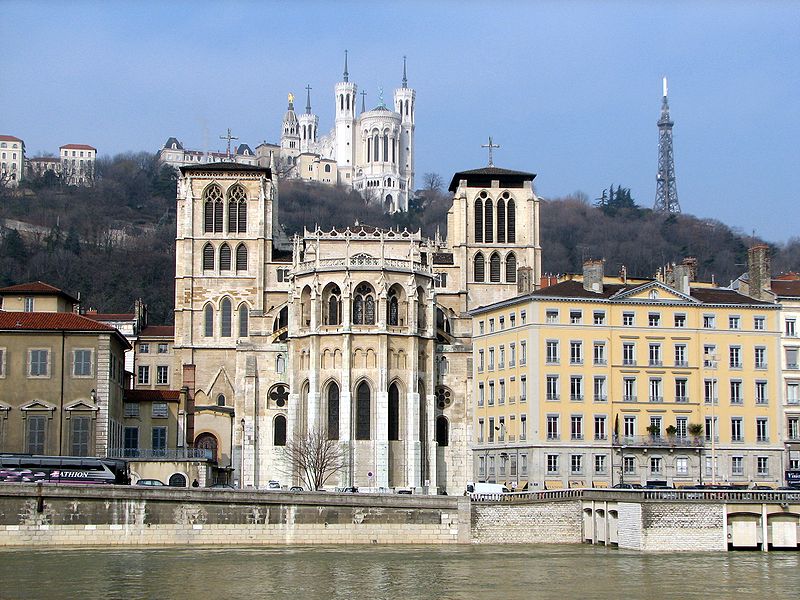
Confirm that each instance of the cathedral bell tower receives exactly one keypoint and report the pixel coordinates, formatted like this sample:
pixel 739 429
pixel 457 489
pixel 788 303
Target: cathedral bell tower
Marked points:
pixel 345 98
pixel 404 104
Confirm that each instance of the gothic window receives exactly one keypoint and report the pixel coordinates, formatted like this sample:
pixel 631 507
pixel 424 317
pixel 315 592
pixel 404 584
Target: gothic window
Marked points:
pixel 279 396
pixel 488 221
pixel 280 324
pixel 333 411
pixel 224 257
pixel 494 268
pixel 394 412
pixel 393 309
pixel 442 431
pixel 212 209
pixel 422 321
pixel 479 220
pixel 442 327
pixel 208 316
pixel 511 268
pixel 279 431
pixel 225 317
pixel 369 149
pixel 221 400
pixel 363 411
pixel 444 397
pixel 364 305
pixel 241 257
pixel 375 147
pixel 208 257
pixel 341 102
pixel 244 318
pixel 479 268
pixel 237 210
pixel 501 221
pixel 333 303
pixel 280 364
pixel 511 220
pixel 347 102
pixel 385 148
pixel 327 168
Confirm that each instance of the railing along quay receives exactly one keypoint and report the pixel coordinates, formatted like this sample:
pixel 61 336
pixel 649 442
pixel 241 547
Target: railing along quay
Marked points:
pixel 778 496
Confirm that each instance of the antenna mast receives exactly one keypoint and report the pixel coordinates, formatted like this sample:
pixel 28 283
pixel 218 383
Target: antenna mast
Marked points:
pixel 666 187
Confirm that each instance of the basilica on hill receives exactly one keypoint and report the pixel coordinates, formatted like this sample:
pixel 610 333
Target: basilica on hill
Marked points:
pixel 359 333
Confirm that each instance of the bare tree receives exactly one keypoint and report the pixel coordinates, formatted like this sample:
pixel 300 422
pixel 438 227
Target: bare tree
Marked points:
pixel 315 457
pixel 433 182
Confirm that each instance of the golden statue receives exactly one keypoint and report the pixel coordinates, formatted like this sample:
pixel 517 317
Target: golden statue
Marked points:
pixel 291 97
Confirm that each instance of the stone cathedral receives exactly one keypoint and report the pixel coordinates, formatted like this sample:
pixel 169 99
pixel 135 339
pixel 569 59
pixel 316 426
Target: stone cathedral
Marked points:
pixel 361 334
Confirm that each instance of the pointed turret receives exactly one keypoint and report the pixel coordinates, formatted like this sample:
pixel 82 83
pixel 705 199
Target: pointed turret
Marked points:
pixel 307 127
pixel 345 125
pixel 308 99
pixel 346 75
pixel 405 78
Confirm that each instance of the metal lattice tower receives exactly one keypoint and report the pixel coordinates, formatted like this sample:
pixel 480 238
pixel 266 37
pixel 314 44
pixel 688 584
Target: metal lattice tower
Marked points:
pixel 666 187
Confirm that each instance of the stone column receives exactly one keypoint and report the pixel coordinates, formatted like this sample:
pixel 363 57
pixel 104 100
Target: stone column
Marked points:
pixel 345 410
pixel 312 407
pixel 413 444
pixel 430 412
pixel 381 434
pixel 250 394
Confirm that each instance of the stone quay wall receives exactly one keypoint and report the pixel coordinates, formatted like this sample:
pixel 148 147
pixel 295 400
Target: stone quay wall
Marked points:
pixel 671 526
pixel 555 522
pixel 57 515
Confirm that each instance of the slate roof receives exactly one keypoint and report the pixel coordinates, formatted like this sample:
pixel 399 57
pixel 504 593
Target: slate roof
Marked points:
pixel 173 140
pixel 152 395
pixel 724 296
pixel 483 177
pixel 35 288
pixel 225 166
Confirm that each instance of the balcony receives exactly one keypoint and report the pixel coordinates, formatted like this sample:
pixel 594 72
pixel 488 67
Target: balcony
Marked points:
pixel 657 441
pixel 656 363
pixel 656 398
pixel 681 399
pixel 681 364
pixel 629 398
pixel 165 454
pixel 600 398
pixel 792 366
pixel 629 362
pixel 600 362
pixel 576 397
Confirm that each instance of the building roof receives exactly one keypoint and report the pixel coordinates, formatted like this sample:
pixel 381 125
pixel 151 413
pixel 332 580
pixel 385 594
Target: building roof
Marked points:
pixel 723 296
pixel 158 331
pixel 35 288
pixel 77 147
pixel 225 166
pixel 242 148
pixel 152 395
pixel 54 159
pixel 93 314
pixel 172 140
pixel 54 321
pixel 484 176
pixel 9 138
pixel 785 288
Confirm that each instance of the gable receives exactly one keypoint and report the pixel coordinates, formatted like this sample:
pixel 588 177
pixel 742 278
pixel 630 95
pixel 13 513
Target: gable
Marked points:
pixel 38 405
pixel 654 292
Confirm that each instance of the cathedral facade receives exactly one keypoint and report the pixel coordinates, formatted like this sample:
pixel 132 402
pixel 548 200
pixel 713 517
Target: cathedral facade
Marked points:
pixel 360 334
pixel 369 150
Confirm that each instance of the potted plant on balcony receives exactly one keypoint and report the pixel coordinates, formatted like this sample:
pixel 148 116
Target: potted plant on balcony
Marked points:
pixel 671 431
pixel 696 430
pixel 654 431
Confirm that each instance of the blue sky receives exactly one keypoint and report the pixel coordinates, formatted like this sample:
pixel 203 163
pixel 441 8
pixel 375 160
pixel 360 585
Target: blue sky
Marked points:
pixel 570 90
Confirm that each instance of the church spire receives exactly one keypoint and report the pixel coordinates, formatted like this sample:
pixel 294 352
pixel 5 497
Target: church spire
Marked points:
pixel 346 74
pixel 405 79
pixel 308 99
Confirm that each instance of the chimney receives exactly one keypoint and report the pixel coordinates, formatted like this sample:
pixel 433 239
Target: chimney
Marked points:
pixel 758 270
pixel 593 276
pixel 684 274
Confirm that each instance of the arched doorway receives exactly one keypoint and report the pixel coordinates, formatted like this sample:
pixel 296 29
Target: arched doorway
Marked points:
pixel 208 441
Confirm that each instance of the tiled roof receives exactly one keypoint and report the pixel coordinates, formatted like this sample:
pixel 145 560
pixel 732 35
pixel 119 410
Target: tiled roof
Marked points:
pixel 52 321
pixel 723 296
pixel 9 138
pixel 573 288
pixel 225 166
pixel 483 177
pixel 35 288
pixel 158 331
pixel 785 288
pixel 77 147
pixel 152 395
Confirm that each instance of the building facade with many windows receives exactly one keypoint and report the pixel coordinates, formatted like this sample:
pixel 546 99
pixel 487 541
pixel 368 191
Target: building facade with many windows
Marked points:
pixel 596 381
pixel 12 160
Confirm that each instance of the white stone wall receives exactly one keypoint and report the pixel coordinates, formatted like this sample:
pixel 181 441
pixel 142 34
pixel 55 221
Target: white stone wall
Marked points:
pixel 545 523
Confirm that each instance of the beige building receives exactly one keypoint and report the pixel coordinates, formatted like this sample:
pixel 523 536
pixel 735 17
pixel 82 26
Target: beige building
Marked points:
pixel 174 154
pixel 78 164
pixel 12 160
pixel 41 165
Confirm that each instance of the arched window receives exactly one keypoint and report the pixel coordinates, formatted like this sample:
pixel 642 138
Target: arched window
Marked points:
pixel 237 210
pixel 208 257
pixel 332 305
pixel 212 209
pixel 224 257
pixel 280 324
pixel 347 102
pixel 327 168
pixel 394 412
pixel 442 431
pixel 279 396
pixel 479 220
pixel 341 102
pixel 479 268
pixel 422 312
pixel 221 400
pixel 369 149
pixel 280 364
pixel 208 316
pixel 375 148
pixel 488 222
pixel 177 480
pixel 225 318
pixel 512 222
pixel 333 411
pixel 279 431
pixel 364 305
pixel 362 411
pixel 494 268
pixel 207 441
pixel 241 257
pixel 244 320
pixel 511 268
pixel 392 309
pixel 385 148
pixel 501 221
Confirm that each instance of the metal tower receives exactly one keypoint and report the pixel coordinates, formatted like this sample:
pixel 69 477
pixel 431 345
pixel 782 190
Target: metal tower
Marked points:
pixel 666 188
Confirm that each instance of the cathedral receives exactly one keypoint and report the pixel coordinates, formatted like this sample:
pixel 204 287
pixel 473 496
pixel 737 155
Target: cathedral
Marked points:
pixel 369 150
pixel 362 334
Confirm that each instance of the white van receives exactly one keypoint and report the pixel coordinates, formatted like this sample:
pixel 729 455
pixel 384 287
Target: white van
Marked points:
pixel 486 488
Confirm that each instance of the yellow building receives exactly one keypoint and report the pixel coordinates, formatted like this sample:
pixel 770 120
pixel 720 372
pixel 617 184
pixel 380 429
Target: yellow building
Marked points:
pixel 600 381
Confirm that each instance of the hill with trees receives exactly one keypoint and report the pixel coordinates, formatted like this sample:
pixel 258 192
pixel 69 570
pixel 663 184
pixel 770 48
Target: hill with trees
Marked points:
pixel 114 242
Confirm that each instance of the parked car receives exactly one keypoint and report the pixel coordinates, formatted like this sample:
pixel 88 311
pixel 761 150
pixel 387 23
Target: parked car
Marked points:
pixel 151 483
pixel 295 488
pixel 627 486
pixel 350 490
pixel 407 491
pixel 274 485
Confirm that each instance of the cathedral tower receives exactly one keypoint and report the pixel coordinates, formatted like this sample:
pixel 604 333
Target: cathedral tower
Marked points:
pixel 404 104
pixel 307 126
pixel 345 98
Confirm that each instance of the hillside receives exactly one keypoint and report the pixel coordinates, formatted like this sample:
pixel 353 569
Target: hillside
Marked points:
pixel 114 242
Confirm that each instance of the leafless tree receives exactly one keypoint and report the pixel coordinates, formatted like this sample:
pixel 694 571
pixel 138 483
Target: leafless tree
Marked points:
pixel 433 182
pixel 315 458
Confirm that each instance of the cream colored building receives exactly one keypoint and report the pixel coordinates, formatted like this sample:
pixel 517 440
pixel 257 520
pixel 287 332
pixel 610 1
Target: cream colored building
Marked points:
pixel 361 333
pixel 12 160
pixel 597 381
pixel 78 164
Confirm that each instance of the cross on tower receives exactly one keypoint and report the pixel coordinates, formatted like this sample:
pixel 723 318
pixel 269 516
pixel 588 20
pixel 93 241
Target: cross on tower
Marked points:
pixel 228 137
pixel 490 146
pixel 308 99
pixel 363 100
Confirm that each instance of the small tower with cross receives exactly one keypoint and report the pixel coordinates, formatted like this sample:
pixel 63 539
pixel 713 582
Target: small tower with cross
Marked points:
pixel 345 124
pixel 405 104
pixel 308 124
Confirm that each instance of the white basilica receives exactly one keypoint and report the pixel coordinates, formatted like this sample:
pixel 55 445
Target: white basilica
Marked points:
pixel 361 333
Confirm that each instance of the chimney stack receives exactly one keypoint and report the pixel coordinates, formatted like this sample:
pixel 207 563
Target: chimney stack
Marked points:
pixel 758 270
pixel 593 276
pixel 684 274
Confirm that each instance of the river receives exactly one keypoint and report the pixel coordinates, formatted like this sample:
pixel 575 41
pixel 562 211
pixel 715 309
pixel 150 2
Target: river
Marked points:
pixel 378 572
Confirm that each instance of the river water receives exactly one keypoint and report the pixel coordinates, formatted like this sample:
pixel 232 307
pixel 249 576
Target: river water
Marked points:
pixel 378 572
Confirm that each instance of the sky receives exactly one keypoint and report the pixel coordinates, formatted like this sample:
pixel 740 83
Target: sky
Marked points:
pixel 570 90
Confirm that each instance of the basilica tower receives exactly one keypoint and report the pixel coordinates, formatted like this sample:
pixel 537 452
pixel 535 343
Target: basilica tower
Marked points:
pixel 290 136
pixel 345 97
pixel 404 104
pixel 308 123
